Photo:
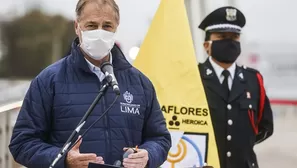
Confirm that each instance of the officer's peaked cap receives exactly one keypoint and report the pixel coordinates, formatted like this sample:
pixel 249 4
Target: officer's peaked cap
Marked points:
pixel 224 19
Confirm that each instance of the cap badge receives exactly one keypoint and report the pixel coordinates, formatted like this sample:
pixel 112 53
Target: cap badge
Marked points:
pixel 231 14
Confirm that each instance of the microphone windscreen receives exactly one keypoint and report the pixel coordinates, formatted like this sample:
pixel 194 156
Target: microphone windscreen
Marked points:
pixel 106 67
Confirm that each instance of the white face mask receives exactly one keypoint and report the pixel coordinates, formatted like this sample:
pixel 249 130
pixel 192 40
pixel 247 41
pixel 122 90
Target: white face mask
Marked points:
pixel 97 43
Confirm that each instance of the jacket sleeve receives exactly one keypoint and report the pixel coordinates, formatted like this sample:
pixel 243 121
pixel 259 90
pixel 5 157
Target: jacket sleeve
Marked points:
pixel 156 137
pixel 265 126
pixel 30 138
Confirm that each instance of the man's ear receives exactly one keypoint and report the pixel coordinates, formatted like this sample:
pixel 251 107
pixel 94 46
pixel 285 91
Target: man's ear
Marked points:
pixel 206 45
pixel 76 28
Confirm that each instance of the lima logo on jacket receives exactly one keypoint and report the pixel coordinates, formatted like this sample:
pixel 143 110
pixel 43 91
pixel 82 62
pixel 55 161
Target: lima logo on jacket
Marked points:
pixel 128 107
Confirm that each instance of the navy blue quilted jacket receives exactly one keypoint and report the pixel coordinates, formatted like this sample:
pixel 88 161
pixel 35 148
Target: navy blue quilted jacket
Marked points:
pixel 61 94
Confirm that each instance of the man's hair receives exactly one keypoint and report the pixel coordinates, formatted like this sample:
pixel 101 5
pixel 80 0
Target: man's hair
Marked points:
pixel 207 36
pixel 82 3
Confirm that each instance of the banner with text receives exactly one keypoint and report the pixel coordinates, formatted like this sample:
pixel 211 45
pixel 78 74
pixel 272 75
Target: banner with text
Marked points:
pixel 167 57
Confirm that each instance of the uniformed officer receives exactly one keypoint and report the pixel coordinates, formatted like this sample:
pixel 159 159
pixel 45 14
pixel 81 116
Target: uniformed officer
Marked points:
pixel 240 110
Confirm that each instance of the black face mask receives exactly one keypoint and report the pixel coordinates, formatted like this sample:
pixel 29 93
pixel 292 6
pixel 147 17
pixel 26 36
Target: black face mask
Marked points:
pixel 226 50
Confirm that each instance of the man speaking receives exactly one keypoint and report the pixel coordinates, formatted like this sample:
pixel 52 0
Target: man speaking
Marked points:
pixel 61 94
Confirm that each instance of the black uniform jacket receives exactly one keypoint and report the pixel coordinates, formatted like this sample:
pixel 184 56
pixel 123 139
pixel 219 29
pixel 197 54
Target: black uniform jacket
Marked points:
pixel 235 118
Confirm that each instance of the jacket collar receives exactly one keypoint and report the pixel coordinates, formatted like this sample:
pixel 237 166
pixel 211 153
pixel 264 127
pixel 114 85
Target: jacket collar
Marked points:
pixel 119 61
pixel 212 82
pixel 218 69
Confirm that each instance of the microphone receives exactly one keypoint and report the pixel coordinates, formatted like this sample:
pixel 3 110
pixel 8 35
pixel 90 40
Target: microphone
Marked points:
pixel 107 69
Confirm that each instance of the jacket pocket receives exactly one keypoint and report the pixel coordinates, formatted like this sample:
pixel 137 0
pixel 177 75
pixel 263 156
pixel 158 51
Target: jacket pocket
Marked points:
pixel 249 107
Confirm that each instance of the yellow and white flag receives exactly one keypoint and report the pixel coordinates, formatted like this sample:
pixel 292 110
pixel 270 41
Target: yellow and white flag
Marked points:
pixel 167 57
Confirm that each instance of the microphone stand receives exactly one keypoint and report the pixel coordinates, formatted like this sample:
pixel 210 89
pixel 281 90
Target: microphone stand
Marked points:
pixel 79 126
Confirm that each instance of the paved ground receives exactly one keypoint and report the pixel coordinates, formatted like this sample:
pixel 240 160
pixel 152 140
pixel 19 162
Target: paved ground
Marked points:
pixel 280 151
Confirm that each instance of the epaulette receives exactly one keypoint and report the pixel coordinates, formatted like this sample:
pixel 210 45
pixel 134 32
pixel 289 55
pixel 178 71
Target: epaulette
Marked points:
pixel 250 69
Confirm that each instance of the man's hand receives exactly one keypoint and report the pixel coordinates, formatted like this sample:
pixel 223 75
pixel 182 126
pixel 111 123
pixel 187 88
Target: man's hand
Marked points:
pixel 136 160
pixel 75 159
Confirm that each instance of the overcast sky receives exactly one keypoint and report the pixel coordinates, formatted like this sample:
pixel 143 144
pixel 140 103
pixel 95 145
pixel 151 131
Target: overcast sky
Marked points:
pixel 267 20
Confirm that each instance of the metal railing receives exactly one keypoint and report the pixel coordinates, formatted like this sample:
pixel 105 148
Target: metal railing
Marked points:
pixel 8 114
